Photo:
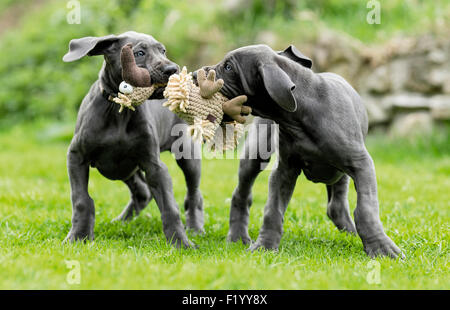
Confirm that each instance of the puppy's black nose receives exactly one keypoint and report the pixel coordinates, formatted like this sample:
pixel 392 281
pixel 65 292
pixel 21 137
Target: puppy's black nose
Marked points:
pixel 194 75
pixel 170 69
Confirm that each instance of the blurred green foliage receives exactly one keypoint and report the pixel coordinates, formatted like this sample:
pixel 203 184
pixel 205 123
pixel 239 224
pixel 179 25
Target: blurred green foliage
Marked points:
pixel 37 84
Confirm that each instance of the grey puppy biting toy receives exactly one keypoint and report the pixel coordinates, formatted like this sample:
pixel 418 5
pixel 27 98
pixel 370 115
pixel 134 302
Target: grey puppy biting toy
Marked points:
pixel 203 107
pixel 127 146
pixel 322 125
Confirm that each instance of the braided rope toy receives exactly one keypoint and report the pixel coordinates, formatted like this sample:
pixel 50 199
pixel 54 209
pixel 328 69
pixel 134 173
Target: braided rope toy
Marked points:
pixel 203 108
pixel 133 98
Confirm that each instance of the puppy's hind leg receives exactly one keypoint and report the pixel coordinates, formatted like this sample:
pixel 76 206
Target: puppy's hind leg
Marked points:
pixel 367 217
pixel 140 197
pixel 338 209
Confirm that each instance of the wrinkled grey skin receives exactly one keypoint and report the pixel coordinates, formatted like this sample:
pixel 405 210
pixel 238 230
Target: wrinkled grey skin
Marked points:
pixel 126 146
pixel 322 124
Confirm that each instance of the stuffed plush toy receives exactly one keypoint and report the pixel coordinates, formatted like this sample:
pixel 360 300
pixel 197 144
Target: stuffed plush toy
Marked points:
pixel 203 107
pixel 137 84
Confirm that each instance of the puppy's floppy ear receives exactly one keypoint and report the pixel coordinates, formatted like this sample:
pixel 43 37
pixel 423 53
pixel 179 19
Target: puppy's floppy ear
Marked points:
pixel 294 54
pixel 279 86
pixel 91 46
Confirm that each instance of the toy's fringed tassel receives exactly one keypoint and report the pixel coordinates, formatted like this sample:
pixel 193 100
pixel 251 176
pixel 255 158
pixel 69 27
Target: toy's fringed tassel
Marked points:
pixel 177 91
pixel 227 136
pixel 202 130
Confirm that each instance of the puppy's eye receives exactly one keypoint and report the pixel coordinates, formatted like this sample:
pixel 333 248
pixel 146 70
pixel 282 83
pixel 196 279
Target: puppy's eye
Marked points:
pixel 163 51
pixel 139 54
pixel 228 67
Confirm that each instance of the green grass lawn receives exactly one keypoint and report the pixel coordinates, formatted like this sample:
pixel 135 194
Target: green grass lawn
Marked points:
pixel 35 213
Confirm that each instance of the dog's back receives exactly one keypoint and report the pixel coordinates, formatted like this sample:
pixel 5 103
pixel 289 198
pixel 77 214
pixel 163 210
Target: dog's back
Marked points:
pixel 338 87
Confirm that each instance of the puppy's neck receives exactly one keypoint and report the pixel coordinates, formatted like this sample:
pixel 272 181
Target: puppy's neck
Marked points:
pixel 110 78
pixel 108 83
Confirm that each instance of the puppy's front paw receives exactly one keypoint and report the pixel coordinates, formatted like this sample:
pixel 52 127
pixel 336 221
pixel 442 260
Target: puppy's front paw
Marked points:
pixel 194 213
pixel 179 239
pixel 264 244
pixel 78 236
pixel 382 246
pixel 239 233
pixel 268 239
pixel 257 246
pixel 195 230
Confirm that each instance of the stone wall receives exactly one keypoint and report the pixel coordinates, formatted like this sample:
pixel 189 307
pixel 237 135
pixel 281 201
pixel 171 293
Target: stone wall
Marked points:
pixel 405 83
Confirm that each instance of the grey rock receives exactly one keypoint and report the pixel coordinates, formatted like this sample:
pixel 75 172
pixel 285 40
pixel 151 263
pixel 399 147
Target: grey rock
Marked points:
pixel 399 71
pixel 437 56
pixel 379 81
pixel 406 102
pixel 412 124
pixel 440 107
pixel 439 76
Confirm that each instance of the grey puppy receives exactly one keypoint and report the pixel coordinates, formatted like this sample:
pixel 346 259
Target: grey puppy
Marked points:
pixel 126 146
pixel 322 127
